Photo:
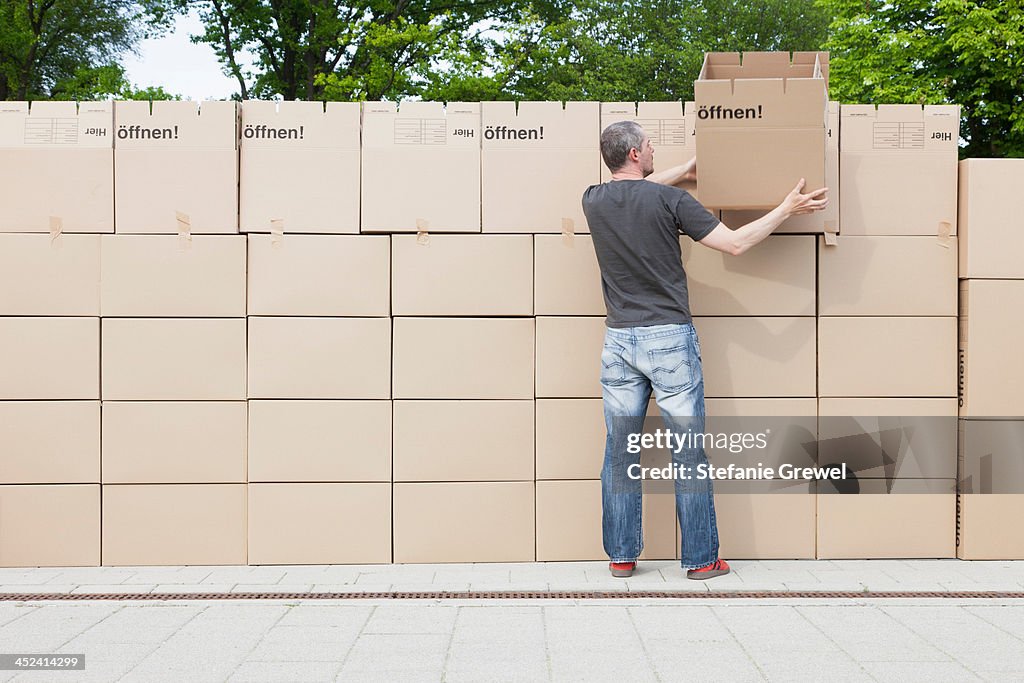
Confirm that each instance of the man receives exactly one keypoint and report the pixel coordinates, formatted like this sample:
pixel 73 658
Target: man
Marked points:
pixel 635 221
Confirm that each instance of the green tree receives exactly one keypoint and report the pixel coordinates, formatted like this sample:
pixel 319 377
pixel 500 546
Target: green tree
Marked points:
pixel 105 82
pixel 967 52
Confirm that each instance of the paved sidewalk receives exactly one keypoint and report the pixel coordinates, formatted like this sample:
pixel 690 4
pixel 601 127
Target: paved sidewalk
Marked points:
pixel 617 639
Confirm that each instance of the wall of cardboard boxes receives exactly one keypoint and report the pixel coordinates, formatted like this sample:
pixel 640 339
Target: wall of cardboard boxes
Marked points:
pixel 352 333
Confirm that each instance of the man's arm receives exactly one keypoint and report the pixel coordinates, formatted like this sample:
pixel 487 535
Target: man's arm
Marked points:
pixel 737 241
pixel 676 174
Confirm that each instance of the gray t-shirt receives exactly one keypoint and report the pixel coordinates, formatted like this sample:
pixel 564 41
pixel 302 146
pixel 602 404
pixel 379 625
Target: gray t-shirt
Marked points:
pixel 635 225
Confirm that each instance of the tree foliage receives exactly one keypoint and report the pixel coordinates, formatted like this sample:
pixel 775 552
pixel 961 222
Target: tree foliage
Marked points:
pixel 968 52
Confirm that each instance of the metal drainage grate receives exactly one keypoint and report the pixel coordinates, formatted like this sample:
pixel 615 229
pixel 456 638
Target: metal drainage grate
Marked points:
pixel 519 595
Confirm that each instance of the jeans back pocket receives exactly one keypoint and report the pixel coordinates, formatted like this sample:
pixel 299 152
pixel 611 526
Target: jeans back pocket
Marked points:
pixel 671 367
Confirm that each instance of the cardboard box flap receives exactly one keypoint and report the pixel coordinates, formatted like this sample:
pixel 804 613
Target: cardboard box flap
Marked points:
pixel 425 124
pixel 56 125
pixel 618 111
pixel 172 125
pixel 300 125
pixel 532 125
pixel 754 65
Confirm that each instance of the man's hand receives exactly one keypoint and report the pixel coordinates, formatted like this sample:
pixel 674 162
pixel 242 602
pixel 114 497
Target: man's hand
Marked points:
pixel 677 174
pixel 797 203
pixel 690 170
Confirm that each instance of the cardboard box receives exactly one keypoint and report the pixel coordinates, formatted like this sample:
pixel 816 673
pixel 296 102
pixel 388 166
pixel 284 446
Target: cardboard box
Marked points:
pixel 567 278
pixel 50 526
pixel 991 228
pixel 669 125
pixel 44 276
pixel 151 524
pixel 299 167
pixel 173 359
pixel 776 277
pixel 469 358
pixel 537 160
pixel 49 358
pixel 913 519
pixel 316 523
pixel 758 357
pixel 569 523
pixel 464 522
pixel 329 275
pixel 887 275
pixel 898 165
pixel 571 435
pixel 164 275
pixel 320 441
pixel 569 357
pixel 421 167
pixel 319 358
pixel 483 275
pixel 57 167
pixel 991 457
pixel 895 438
pixel 988 528
pixel 174 442
pixel 49 442
pixel 457 441
pixel 765 525
pixel 763 106
pixel 176 167
pixel 990 365
pixel 819 222
pixel 886 357
pixel 789 427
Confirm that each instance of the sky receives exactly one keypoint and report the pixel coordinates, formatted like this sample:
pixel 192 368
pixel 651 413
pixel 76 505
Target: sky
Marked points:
pixel 180 66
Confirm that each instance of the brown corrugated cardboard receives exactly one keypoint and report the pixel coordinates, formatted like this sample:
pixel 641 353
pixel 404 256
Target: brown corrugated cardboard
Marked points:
pixel 421 167
pixel 57 167
pixel 571 437
pixel 989 528
pixel 757 357
pixel 50 526
pixel 339 275
pixel 150 524
pixel 468 358
pixel 902 146
pixel 537 160
pixel 482 275
pixel 316 523
pixel 991 456
pixel 887 275
pixel 916 519
pixel 464 522
pixel 319 358
pixel 569 357
pixel 776 277
pixel 319 441
pixel 174 442
pixel 569 523
pixel 990 227
pixel 567 279
pixel 819 221
pixel 881 438
pixel 456 441
pixel 763 106
pixel 766 526
pixel 55 358
pixel 44 276
pixel 887 357
pixel 789 426
pixel 167 276
pixel 669 125
pixel 299 167
pixel 173 359
pixel 49 442
pixel 176 167
pixel 990 364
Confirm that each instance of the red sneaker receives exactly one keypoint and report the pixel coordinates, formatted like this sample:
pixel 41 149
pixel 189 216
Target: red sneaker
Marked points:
pixel 622 570
pixel 716 568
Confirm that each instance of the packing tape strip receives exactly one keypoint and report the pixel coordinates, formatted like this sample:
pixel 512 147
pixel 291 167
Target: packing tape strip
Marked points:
pixel 56 227
pixel 568 232
pixel 184 224
pixel 276 231
pixel 831 234
pixel 945 235
pixel 422 236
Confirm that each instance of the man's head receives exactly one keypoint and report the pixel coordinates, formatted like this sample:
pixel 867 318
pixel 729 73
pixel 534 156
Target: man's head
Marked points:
pixel 626 147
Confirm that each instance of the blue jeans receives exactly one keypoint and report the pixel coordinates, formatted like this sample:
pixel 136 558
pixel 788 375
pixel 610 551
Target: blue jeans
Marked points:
pixel 667 359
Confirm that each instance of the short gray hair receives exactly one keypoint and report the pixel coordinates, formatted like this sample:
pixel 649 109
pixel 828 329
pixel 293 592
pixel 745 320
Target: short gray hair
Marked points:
pixel 616 141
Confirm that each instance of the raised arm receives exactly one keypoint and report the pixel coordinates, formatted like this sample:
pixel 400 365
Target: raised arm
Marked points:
pixel 676 174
